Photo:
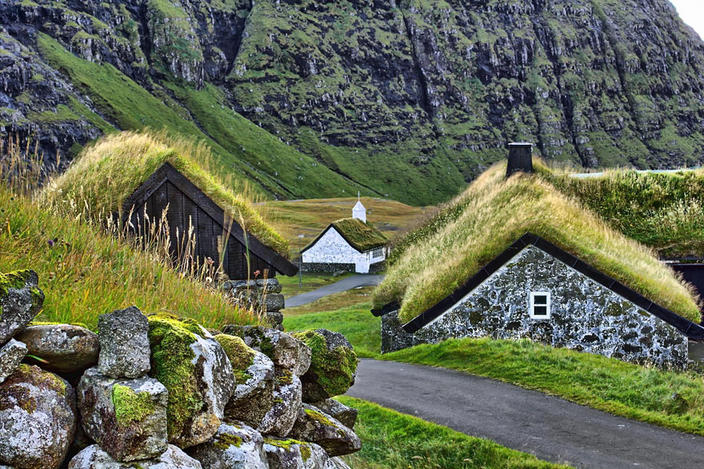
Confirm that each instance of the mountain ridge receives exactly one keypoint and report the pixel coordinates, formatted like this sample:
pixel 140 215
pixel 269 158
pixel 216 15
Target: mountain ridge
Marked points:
pixel 408 100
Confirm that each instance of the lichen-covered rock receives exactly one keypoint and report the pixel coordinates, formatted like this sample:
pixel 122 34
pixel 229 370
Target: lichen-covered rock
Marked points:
pixel 37 419
pixel 287 402
pixel 336 463
pixel 346 415
pixel 66 348
pixel 126 417
pixel 198 375
pixel 20 300
pixel 316 426
pixel 11 355
pixel 294 454
pixel 234 446
pixel 93 457
pixel 283 349
pixel 124 343
pixel 333 365
pixel 254 374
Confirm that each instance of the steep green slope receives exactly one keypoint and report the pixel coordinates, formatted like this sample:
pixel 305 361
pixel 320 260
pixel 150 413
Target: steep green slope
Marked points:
pixel 408 99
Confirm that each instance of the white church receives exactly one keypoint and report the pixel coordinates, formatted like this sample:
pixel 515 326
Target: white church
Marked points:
pixel 349 244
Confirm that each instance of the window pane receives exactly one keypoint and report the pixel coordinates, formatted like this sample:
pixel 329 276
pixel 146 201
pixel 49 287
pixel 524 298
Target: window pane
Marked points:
pixel 540 311
pixel 540 300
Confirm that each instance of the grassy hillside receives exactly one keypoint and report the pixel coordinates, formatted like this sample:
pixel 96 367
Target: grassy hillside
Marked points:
pixel 244 150
pixel 85 272
pixel 300 221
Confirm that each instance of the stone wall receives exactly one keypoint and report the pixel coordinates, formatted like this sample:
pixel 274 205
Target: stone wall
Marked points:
pixel 159 391
pixel 585 315
pixel 262 296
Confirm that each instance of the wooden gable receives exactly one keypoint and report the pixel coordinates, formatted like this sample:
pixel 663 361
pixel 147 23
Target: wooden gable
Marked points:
pixel 191 207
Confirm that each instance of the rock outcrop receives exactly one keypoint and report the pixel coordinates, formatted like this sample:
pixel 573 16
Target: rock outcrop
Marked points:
pixel 20 300
pixel 124 344
pixel 93 457
pixel 430 88
pixel 234 446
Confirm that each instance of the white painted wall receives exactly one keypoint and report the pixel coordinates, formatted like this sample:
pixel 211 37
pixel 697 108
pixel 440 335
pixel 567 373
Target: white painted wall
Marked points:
pixel 332 248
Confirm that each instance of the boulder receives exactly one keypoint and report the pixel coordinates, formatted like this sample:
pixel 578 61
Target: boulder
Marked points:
pixel 124 344
pixel 333 365
pixel 294 454
pixel 66 348
pixel 198 375
pixel 283 349
pixel 37 418
pixel 316 426
pixel 346 415
pixel 336 463
pixel 234 446
pixel 126 417
pixel 20 300
pixel 93 457
pixel 11 355
pixel 254 374
pixel 287 402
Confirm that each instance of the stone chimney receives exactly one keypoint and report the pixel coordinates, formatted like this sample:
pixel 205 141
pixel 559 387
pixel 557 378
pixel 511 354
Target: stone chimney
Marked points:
pixel 520 158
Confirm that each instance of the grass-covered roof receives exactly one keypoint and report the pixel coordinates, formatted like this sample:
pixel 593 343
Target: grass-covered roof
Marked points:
pixel 109 171
pixel 493 213
pixel 361 236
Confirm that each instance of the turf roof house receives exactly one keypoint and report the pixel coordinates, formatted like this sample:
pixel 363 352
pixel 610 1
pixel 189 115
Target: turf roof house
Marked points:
pixel 531 287
pixel 125 183
pixel 349 244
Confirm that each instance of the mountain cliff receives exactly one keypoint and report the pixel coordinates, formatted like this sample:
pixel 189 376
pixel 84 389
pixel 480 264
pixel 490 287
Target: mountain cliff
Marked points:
pixel 405 99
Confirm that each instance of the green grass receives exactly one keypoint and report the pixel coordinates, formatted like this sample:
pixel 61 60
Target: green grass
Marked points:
pixel 334 302
pixel 85 272
pixel 355 322
pixel 392 440
pixel 309 281
pixel 498 211
pixel 666 398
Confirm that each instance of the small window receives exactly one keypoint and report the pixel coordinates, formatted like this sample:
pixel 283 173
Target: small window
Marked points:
pixel 540 305
pixel 377 253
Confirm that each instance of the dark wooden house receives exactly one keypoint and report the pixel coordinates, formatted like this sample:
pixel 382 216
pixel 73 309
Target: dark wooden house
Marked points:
pixel 189 206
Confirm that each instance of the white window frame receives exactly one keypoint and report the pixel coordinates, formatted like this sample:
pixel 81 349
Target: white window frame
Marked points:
pixel 531 311
pixel 379 251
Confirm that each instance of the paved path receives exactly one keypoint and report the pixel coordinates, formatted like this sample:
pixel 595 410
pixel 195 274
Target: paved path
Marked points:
pixel 347 283
pixel 551 428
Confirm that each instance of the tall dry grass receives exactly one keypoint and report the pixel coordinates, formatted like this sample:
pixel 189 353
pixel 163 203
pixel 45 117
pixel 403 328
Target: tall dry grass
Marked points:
pixel 89 265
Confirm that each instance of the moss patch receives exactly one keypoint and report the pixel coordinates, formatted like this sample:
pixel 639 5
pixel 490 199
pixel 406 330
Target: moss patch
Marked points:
pixel 14 280
pixel 225 440
pixel 172 357
pixel 287 445
pixel 240 355
pixel 334 368
pixel 131 406
pixel 319 417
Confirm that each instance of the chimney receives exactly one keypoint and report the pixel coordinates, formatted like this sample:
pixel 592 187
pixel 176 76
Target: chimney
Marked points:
pixel 520 158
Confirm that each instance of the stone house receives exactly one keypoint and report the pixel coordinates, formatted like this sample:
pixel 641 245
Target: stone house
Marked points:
pixel 535 289
pixel 349 244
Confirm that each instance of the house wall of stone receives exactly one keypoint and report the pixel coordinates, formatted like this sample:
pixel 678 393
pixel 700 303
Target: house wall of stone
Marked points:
pixel 585 315
pixel 332 253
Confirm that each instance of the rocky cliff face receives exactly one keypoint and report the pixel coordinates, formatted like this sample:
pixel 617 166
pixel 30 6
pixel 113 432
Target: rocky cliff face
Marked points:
pixel 408 99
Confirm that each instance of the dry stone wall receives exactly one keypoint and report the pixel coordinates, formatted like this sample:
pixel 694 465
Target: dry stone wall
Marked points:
pixel 160 391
